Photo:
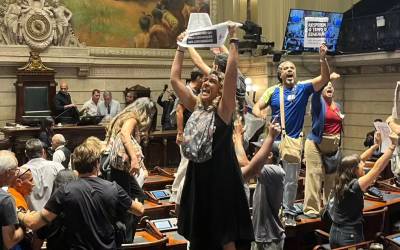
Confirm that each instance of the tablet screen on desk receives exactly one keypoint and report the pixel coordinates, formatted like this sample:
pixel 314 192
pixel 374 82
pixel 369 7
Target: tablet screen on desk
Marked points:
pixel 160 194
pixel 164 224
pixel 396 239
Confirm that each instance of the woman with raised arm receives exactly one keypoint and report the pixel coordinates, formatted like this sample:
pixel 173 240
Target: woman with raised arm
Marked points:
pixel 348 199
pixel 214 212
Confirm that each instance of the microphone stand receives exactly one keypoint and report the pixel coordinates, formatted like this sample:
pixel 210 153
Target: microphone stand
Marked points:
pixel 67 109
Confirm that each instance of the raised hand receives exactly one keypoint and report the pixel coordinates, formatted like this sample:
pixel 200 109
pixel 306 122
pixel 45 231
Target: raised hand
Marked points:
pixel 232 27
pixel 274 130
pixel 322 50
pixel 334 76
pixel 378 138
pixel 394 138
pixel 181 36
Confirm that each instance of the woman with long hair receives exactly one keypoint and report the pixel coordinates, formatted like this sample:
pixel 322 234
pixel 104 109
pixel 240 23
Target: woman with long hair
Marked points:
pixel 126 157
pixel 213 186
pixel 348 198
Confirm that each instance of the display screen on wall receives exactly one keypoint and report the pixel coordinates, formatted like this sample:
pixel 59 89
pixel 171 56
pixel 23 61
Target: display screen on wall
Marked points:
pixel 36 99
pixel 132 23
pixel 307 29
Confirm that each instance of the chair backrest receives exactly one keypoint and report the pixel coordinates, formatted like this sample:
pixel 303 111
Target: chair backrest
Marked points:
pixel 374 222
pixel 160 244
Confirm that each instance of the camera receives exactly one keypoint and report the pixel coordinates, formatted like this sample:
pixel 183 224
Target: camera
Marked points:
pixel 252 39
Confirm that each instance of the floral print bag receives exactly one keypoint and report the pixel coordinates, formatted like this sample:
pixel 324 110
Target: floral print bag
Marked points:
pixel 198 136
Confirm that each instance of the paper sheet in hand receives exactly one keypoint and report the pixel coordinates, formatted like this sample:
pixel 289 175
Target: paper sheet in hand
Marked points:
pixel 201 34
pixel 396 102
pixel 384 129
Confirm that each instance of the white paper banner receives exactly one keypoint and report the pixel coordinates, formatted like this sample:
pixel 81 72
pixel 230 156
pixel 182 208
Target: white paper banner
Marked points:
pixel 314 31
pixel 396 102
pixel 384 129
pixel 201 34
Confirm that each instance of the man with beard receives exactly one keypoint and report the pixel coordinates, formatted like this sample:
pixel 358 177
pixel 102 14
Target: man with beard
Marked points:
pixel 295 96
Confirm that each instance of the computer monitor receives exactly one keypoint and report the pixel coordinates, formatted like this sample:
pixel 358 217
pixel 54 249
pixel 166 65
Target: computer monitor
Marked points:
pixel 90 120
pixel 307 29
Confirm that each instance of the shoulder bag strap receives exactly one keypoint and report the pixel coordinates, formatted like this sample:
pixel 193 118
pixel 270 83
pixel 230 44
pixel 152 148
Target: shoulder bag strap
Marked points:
pixel 282 109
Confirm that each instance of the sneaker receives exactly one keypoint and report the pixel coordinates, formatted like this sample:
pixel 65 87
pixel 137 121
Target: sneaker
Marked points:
pixel 290 220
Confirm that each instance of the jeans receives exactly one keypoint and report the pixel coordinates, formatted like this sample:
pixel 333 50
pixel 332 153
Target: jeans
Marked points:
pixel 345 235
pixel 290 183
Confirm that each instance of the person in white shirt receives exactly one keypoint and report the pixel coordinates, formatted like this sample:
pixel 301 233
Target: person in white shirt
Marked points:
pixel 61 153
pixel 89 108
pixel 108 107
pixel 44 172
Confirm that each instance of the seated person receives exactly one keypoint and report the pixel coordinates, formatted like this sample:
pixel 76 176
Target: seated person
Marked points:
pixel 89 108
pixel 168 106
pixel 130 97
pixel 108 107
pixel 61 152
pixel 65 110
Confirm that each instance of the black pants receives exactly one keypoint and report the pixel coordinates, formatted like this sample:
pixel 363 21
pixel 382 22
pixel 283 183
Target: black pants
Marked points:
pixel 131 186
pixel 345 235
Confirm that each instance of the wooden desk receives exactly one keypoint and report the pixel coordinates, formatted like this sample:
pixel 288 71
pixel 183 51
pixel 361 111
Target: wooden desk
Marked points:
pixel 156 182
pixel 175 241
pixel 158 211
pixel 161 150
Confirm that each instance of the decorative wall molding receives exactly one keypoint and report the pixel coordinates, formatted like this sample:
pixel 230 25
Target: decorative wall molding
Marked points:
pixel 38 24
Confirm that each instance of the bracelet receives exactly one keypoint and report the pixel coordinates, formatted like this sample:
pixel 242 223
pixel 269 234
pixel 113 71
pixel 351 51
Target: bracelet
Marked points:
pixel 234 40
pixel 180 51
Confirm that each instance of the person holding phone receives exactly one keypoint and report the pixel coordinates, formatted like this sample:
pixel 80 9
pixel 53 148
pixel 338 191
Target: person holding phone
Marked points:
pixel 168 105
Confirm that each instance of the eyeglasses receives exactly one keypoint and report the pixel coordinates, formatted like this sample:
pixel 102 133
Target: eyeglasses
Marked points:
pixel 23 173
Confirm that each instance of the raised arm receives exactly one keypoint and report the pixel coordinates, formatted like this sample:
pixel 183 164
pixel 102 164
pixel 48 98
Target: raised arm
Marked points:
pixel 227 104
pixel 366 180
pixel 238 143
pixel 179 123
pixel 319 83
pixel 393 126
pixel 259 159
pixel 184 94
pixel 198 61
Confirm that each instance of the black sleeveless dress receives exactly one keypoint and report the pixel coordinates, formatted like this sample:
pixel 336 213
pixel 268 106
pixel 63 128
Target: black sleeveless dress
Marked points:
pixel 214 208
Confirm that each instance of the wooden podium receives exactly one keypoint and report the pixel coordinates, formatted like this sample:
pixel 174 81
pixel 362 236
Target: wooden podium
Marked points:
pixel 35 90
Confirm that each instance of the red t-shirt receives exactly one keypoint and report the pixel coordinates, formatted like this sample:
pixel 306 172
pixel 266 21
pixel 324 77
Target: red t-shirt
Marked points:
pixel 333 121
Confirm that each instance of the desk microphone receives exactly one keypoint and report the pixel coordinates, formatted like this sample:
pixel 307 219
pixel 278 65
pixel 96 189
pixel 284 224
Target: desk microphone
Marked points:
pixel 55 118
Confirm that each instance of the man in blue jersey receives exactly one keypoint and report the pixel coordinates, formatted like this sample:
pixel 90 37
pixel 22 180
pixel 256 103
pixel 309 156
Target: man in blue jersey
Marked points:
pixel 295 101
